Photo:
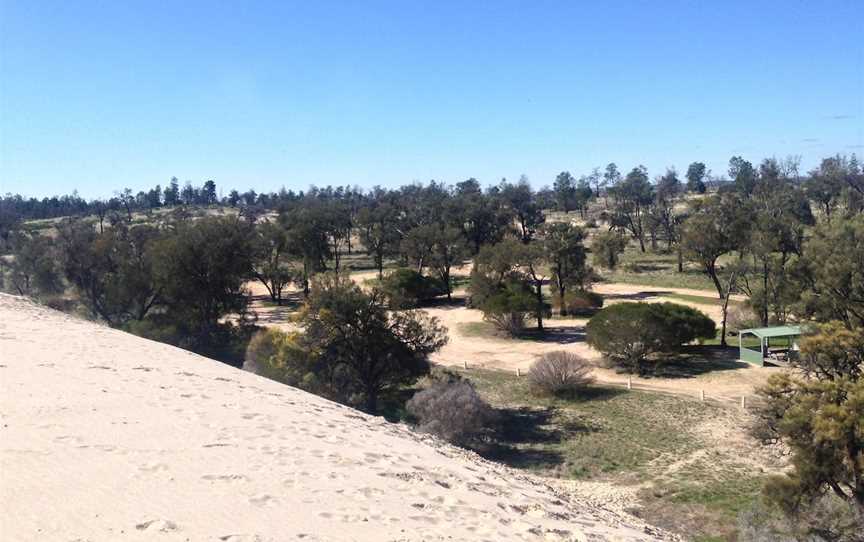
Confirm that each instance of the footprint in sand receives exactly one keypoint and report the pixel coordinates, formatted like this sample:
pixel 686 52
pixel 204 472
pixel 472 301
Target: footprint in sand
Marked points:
pixel 153 467
pixel 157 525
pixel 225 477
pixel 263 500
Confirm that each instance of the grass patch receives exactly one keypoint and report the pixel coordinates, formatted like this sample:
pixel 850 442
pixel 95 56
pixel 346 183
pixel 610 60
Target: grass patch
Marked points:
pixel 624 438
pixel 604 431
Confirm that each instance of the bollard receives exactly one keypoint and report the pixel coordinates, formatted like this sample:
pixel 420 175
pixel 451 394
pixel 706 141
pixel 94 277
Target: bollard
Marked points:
pixel 629 382
pixel 518 371
pixel 701 395
pixel 743 402
pixel 465 364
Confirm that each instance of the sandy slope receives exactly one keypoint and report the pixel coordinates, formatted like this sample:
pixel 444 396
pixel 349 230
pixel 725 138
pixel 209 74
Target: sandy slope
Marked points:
pixel 106 436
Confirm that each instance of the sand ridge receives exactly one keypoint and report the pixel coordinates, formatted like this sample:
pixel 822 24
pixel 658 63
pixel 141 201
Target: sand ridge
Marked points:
pixel 107 436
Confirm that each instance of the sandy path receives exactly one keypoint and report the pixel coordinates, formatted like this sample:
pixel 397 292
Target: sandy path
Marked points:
pixel 567 334
pixel 107 436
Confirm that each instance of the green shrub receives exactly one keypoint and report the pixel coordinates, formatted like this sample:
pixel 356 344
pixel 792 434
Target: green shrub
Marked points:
pixel 581 303
pixel 509 306
pixel 279 356
pixel 606 248
pixel 628 334
pixel 406 288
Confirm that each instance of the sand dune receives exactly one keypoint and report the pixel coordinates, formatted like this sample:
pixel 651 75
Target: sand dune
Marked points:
pixel 107 436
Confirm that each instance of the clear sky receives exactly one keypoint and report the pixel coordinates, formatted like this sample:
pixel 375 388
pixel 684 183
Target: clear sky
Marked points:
pixel 96 96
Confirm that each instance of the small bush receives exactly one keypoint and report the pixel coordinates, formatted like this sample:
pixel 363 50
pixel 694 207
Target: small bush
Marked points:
pixel 279 356
pixel 508 306
pixel 453 411
pixel 826 518
pixel 628 333
pixel 741 317
pixel 438 375
pixel 581 303
pixel 606 248
pixel 559 372
pixel 406 289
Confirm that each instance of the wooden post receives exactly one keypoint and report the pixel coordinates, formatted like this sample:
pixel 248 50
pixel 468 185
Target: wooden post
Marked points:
pixel 518 371
pixel 629 382
pixel 701 395
pixel 465 364
pixel 743 401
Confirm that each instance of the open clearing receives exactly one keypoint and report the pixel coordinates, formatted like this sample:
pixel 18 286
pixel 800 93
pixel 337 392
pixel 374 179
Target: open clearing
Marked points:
pixel 714 370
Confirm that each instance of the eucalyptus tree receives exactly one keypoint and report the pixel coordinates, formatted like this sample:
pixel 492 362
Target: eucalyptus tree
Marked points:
pixel 696 173
pixel 565 254
pixel 632 198
pixel 519 199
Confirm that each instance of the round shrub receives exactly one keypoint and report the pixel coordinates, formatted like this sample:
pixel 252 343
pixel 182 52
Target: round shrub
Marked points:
pixel 453 411
pixel 628 333
pixel 406 289
pixel 279 356
pixel 581 303
pixel 558 373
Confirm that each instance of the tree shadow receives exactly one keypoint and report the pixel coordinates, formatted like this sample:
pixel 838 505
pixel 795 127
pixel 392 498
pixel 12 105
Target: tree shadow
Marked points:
pixel 522 437
pixel 269 312
pixel 639 296
pixel 645 267
pixel 555 334
pixel 457 302
pixel 692 361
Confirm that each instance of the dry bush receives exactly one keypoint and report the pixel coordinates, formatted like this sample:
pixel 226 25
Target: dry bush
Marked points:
pixel 825 519
pixel 453 411
pixel 741 317
pixel 558 373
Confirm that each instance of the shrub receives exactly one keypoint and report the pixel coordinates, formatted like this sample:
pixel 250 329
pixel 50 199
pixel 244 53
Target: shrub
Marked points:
pixel 826 518
pixel 606 248
pixel 438 374
pixel 628 333
pixel 741 317
pixel 280 356
pixel 453 411
pixel 558 373
pixel 406 288
pixel 581 303
pixel 507 305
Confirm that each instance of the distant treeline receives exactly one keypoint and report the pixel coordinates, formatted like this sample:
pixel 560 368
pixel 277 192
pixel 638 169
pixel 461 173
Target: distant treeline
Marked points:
pixel 567 192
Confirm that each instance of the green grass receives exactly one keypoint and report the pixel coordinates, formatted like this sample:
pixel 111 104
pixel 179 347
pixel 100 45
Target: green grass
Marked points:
pixel 606 431
pixel 624 438
pixel 657 269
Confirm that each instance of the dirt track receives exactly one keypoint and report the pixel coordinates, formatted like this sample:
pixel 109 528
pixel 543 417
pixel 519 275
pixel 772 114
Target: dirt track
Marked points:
pixel 727 380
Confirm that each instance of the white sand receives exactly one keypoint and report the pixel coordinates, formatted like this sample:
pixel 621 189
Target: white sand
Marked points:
pixel 106 436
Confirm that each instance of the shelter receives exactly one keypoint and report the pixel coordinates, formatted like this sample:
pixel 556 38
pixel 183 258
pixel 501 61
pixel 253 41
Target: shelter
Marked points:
pixel 773 344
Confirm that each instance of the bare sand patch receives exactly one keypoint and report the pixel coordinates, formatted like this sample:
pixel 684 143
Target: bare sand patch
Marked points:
pixel 109 436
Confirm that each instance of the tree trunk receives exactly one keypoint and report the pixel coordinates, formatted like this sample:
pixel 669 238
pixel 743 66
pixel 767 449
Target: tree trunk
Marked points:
pixel 371 401
pixel 539 305
pixel 680 260
pixel 764 315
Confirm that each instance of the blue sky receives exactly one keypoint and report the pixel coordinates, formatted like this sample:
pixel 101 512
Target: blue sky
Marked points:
pixel 96 96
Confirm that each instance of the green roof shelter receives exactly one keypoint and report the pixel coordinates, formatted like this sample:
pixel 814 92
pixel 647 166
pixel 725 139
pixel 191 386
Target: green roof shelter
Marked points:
pixel 773 344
